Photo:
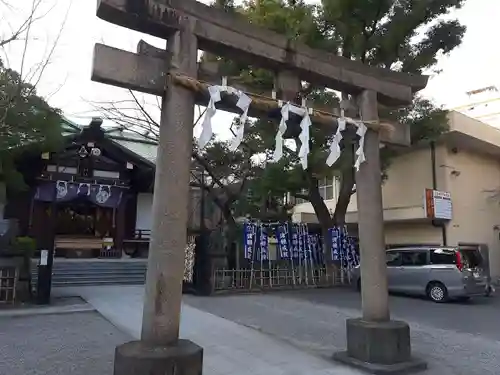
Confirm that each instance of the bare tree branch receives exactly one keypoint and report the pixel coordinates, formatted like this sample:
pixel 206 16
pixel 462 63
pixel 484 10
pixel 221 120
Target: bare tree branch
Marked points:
pixel 23 32
pixel 224 186
pixel 48 58
pixel 25 25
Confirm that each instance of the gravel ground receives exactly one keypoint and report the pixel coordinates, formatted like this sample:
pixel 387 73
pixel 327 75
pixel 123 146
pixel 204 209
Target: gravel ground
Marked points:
pixel 320 329
pixel 63 344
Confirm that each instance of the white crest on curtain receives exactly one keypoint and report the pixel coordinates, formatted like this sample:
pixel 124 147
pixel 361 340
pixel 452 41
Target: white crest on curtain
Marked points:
pixel 103 194
pixel 82 185
pixel 61 189
pixel 243 103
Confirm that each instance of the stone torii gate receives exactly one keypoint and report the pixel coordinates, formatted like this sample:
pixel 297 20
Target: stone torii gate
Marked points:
pixel 373 341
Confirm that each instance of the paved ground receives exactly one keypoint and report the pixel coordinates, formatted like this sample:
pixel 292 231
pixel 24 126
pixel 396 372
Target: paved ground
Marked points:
pixel 76 344
pixel 479 316
pixel 229 348
pixel 456 339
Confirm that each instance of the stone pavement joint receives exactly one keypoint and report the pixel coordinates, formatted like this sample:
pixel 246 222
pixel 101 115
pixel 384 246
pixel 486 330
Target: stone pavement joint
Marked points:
pixel 61 306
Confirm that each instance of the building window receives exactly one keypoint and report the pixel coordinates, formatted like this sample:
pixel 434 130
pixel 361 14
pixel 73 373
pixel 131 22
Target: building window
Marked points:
pixel 325 188
pixel 336 188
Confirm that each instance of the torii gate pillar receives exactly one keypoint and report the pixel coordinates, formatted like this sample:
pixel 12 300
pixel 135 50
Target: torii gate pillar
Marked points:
pixel 160 350
pixel 374 342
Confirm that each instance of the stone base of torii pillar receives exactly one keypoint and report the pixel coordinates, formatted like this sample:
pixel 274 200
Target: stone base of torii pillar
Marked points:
pixel 374 342
pixel 139 357
pixel 379 347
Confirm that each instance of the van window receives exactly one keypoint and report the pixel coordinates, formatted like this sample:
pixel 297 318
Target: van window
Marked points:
pixel 443 256
pixel 393 258
pixel 414 258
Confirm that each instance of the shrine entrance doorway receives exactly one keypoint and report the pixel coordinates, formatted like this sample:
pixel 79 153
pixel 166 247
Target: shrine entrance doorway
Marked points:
pixel 83 218
pixel 81 222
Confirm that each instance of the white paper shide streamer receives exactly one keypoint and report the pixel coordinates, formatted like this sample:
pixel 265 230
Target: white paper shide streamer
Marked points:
pixel 360 152
pixel 278 151
pixel 304 136
pixel 243 103
pixel 206 127
pixel 335 145
pixel 304 139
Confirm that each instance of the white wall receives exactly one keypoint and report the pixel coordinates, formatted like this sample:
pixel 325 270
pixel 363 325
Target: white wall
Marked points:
pixel 476 209
pixel 144 218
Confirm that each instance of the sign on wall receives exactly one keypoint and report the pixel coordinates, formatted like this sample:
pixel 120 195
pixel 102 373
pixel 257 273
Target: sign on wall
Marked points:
pixel 438 204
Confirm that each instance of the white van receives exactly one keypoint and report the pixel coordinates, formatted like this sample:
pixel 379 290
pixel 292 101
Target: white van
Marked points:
pixel 440 273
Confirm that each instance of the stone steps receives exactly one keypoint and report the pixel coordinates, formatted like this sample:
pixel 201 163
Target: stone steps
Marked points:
pixel 95 272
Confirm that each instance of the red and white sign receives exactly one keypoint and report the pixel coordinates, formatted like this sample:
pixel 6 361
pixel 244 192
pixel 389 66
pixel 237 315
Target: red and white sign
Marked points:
pixel 438 204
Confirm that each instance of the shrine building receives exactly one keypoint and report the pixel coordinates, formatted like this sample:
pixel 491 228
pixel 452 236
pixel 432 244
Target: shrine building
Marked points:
pixel 99 187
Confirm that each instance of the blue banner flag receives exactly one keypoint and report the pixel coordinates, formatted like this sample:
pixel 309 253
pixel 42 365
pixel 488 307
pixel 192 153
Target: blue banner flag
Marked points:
pixel 248 239
pixel 283 243
pixel 295 244
pixel 335 243
pixel 264 244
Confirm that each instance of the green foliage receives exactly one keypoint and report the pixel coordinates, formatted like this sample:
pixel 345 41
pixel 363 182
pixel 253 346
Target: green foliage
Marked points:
pixel 406 36
pixel 25 246
pixel 427 122
pixel 26 122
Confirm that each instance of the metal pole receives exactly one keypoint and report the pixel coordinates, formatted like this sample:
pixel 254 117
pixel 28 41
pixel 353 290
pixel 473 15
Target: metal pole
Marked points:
pixel 44 283
pixel 202 202
pixel 269 263
pixel 289 230
pixel 261 257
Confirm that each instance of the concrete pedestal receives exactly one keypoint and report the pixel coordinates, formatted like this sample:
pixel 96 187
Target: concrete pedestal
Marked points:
pixel 379 347
pixel 139 358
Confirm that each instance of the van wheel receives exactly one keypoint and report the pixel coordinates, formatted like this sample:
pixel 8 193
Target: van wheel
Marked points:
pixel 437 292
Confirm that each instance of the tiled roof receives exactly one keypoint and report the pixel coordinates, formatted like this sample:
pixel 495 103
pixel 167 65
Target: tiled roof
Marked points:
pixel 142 145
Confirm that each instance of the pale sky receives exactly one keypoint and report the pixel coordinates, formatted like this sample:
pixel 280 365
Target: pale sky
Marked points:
pixel 67 85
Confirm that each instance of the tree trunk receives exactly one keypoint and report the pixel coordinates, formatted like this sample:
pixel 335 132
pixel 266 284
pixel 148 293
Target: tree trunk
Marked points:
pixel 322 213
pixel 347 181
pixel 231 234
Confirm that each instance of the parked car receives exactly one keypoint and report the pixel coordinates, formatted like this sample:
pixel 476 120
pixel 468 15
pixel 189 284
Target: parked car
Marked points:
pixel 440 273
